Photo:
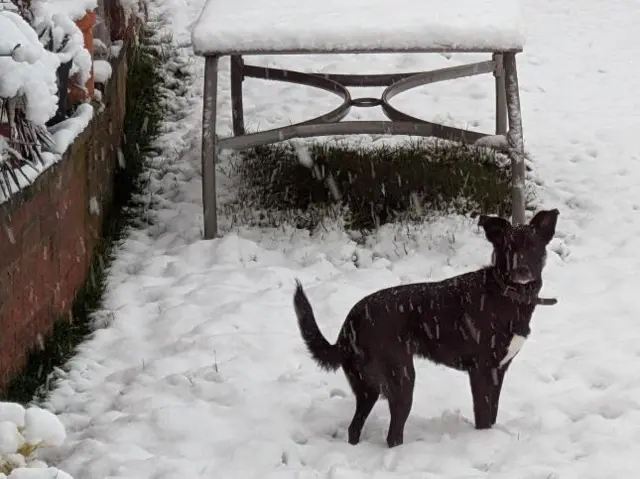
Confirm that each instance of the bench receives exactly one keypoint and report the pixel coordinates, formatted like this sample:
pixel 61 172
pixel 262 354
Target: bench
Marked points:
pixel 236 28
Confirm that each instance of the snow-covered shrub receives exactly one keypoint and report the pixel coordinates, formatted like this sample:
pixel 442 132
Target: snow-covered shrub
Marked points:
pixel 22 433
pixel 54 22
pixel 60 35
pixel 27 68
pixel 28 98
pixel 39 42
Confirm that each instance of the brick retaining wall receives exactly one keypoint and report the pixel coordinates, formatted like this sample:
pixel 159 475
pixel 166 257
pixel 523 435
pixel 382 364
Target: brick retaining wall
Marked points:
pixel 49 230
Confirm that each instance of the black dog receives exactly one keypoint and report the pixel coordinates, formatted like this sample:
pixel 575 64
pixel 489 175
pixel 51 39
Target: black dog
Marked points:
pixel 476 322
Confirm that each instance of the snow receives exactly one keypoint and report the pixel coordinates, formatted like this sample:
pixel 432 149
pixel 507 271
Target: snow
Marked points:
pixel 49 473
pixel 42 427
pixel 65 132
pixel 199 371
pixel 498 142
pixel 58 28
pixel 81 68
pixel 114 50
pixel 94 206
pixel 345 26
pixel 27 174
pixel 35 77
pixel 101 71
pixel 72 9
pixel 132 8
pixel 27 68
pixel 12 412
pixel 25 53
pixel 23 434
pixel 10 438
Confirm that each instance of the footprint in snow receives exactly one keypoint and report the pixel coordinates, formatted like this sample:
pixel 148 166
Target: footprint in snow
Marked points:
pixel 561 249
pixel 533 60
pixel 300 438
pixel 338 393
pixel 341 472
pixel 389 460
pixel 290 459
pixel 289 377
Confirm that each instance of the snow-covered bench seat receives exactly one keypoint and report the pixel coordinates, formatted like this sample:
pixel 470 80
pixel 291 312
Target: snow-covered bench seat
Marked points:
pixel 269 27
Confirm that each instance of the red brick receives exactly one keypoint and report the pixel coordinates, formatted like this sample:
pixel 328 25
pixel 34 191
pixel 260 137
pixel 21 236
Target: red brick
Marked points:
pixel 31 236
pixel 7 280
pixel 24 340
pixel 9 240
pixel 49 228
pixel 11 322
pixel 39 328
pixel 27 336
pixel 38 272
pixel 15 301
pixel 11 228
pixel 75 279
pixel 49 274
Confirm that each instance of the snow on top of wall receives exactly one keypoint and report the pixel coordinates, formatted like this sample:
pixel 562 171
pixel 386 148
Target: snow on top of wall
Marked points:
pixel 66 131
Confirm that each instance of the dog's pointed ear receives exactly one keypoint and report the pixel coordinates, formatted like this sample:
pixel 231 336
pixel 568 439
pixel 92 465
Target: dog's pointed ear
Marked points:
pixel 544 223
pixel 494 227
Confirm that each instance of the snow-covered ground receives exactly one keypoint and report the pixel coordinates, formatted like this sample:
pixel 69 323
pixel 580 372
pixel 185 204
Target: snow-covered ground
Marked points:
pixel 201 373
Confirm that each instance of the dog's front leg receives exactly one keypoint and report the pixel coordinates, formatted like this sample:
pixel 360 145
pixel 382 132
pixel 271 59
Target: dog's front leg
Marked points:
pixel 485 392
pixel 497 378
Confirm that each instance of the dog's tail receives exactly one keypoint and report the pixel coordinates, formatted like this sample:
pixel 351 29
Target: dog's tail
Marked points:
pixel 327 355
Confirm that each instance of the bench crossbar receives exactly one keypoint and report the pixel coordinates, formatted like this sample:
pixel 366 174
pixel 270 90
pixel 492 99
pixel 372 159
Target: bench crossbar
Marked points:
pixel 508 120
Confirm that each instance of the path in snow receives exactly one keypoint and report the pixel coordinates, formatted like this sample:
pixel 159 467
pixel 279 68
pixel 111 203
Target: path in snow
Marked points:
pixel 201 372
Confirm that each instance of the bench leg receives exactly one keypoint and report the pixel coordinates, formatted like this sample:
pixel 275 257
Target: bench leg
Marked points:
pixel 237 109
pixel 210 147
pixel 515 138
pixel 501 96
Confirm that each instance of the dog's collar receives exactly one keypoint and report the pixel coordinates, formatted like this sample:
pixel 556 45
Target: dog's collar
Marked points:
pixel 523 298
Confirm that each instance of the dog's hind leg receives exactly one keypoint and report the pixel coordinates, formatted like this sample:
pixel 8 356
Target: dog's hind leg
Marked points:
pixel 366 397
pixel 399 393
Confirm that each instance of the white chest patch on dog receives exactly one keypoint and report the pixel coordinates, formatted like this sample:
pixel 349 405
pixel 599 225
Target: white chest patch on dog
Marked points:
pixel 514 348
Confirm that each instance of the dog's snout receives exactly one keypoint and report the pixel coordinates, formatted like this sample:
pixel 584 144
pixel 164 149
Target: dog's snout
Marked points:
pixel 522 274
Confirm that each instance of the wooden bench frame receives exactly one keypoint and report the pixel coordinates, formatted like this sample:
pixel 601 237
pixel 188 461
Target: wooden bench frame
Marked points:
pixel 507 105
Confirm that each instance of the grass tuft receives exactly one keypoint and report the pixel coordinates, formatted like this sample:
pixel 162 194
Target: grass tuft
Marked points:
pixel 406 182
